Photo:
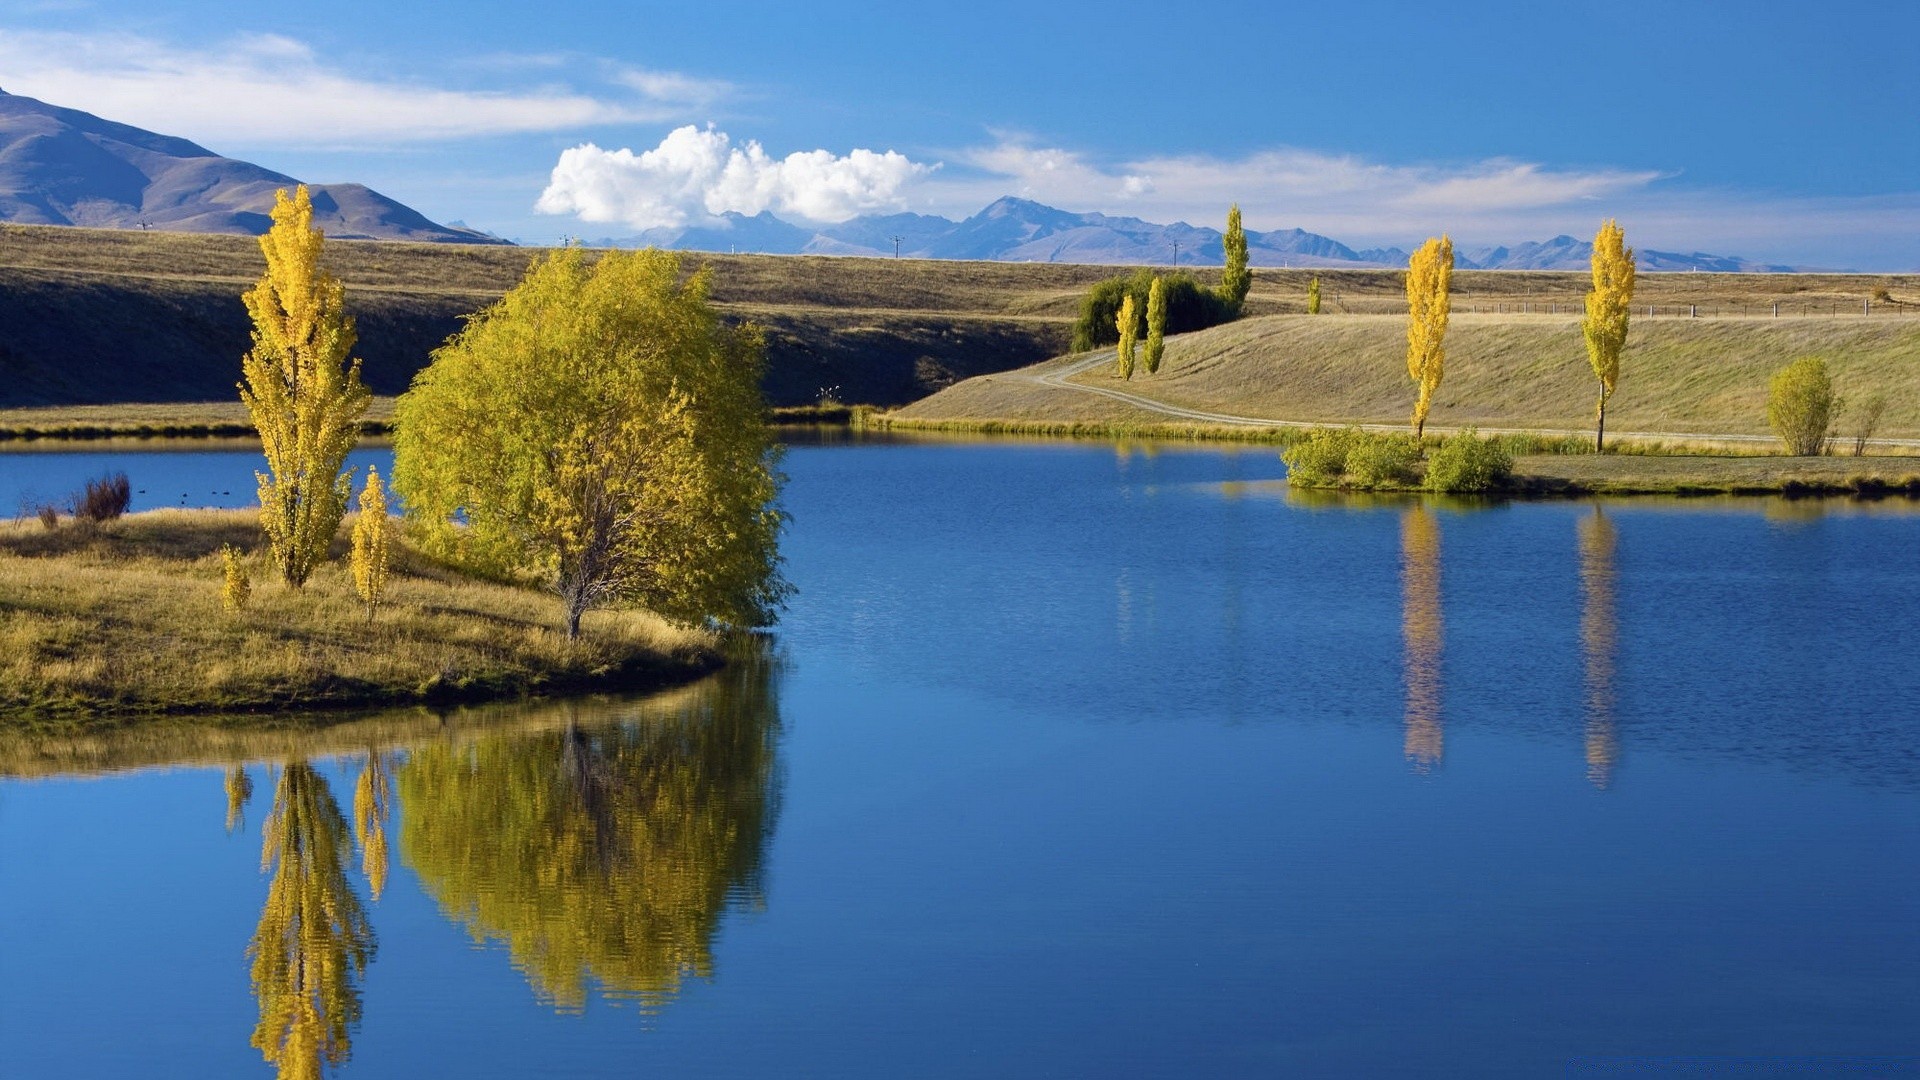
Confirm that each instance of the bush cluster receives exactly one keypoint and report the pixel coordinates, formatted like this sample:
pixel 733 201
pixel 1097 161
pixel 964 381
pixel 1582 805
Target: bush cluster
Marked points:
pixel 1352 458
pixel 1366 461
pixel 1190 307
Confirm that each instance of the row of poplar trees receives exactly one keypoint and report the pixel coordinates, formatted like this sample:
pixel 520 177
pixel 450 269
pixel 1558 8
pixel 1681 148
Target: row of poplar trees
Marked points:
pixel 1235 281
pixel 1430 277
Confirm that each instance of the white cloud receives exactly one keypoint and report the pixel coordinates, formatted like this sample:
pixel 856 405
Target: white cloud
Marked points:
pixel 696 173
pixel 267 89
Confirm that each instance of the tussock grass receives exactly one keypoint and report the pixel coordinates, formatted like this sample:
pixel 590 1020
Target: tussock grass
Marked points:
pixel 125 617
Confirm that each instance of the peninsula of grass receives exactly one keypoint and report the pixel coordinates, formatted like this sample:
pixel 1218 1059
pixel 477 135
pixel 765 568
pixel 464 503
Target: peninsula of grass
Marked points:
pixel 104 622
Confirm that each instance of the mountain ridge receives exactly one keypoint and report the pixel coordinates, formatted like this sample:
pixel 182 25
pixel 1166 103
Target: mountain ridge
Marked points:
pixel 61 166
pixel 1013 229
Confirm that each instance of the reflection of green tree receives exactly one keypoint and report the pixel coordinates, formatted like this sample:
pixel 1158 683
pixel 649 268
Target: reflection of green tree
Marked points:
pixel 314 941
pixel 604 853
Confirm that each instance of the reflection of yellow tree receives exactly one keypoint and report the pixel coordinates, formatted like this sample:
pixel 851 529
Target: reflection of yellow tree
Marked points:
pixel 1599 636
pixel 314 941
pixel 1422 629
pixel 603 854
pixel 239 793
pixel 372 805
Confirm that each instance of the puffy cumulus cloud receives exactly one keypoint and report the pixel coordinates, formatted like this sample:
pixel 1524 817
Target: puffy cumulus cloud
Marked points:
pixel 698 172
pixel 268 89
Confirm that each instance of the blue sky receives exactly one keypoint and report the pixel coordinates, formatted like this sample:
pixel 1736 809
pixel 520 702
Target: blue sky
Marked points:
pixel 1778 132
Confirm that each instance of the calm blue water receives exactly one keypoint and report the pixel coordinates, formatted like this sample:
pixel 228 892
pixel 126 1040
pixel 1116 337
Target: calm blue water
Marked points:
pixel 1077 761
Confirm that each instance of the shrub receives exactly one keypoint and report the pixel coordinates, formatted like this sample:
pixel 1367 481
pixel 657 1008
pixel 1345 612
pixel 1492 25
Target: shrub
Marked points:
pixel 1351 458
pixel 104 499
pixel 1189 307
pixel 1866 422
pixel 49 516
pixel 1381 461
pixel 236 587
pixel 1320 459
pixel 1801 405
pixel 1467 463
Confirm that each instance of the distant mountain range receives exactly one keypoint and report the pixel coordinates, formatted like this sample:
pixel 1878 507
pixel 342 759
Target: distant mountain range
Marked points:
pixel 66 167
pixel 1020 230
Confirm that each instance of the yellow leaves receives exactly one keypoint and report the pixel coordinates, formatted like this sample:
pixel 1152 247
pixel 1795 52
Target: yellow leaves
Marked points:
pixel 236 588
pixel 301 391
pixel 1608 304
pixel 1605 325
pixel 313 942
pixel 372 540
pixel 1429 279
pixel 1127 322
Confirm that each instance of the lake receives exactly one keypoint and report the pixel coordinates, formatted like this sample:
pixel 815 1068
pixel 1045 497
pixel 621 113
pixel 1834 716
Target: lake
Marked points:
pixel 1068 759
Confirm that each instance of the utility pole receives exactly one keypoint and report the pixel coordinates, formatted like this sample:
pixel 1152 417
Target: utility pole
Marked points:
pixel 1176 254
pixel 896 245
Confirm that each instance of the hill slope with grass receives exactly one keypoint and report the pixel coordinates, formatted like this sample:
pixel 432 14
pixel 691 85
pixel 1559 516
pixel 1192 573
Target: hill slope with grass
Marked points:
pixel 1687 375
pixel 100 316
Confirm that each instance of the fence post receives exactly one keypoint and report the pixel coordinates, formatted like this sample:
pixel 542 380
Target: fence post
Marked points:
pixel 1776 309
pixel 1693 311
pixel 1866 306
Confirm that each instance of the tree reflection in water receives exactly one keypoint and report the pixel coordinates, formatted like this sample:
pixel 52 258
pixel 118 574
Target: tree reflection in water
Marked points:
pixel 1599 638
pixel 314 941
pixel 1422 628
pixel 602 854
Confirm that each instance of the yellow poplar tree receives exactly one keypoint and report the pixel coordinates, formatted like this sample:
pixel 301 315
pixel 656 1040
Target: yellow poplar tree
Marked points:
pixel 372 536
pixel 1313 296
pixel 1127 322
pixel 1605 326
pixel 1429 276
pixel 301 390
pixel 1156 325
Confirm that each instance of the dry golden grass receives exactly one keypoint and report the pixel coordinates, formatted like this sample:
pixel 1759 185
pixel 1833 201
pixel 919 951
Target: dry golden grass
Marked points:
pixel 126 618
pixel 1690 376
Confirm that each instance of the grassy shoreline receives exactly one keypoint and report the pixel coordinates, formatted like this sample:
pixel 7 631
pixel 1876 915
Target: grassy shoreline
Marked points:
pixel 228 420
pixel 124 619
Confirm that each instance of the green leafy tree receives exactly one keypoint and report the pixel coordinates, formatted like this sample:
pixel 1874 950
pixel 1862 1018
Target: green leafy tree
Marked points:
pixel 1605 325
pixel 1156 325
pixel 1313 296
pixel 600 428
pixel 1235 279
pixel 1801 405
pixel 1127 323
pixel 301 391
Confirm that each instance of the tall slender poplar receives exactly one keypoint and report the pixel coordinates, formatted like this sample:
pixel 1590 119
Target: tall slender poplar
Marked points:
pixel 1128 323
pixel 302 392
pixel 1605 326
pixel 1236 279
pixel 1156 325
pixel 1429 276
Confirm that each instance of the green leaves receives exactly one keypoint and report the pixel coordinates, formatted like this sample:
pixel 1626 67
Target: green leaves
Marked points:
pixel 600 428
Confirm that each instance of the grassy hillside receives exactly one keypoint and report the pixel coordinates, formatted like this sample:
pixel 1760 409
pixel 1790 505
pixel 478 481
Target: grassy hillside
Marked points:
pixel 1705 375
pixel 90 316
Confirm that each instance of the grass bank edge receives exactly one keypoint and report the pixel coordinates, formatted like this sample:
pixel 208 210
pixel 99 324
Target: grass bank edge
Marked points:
pixel 109 623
